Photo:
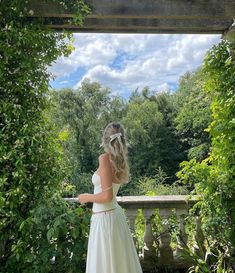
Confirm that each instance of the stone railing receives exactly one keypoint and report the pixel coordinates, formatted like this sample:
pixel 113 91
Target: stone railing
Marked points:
pixel 157 252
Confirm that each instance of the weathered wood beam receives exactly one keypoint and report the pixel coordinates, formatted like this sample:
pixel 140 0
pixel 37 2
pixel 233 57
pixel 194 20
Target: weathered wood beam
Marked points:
pixel 150 16
pixel 148 25
pixel 230 33
pixel 149 8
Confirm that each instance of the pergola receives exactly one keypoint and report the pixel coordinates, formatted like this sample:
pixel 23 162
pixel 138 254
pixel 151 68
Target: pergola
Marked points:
pixel 146 16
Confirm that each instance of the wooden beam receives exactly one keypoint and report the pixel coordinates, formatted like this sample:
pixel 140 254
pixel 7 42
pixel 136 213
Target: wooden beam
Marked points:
pixel 149 16
pixel 148 25
pixel 143 9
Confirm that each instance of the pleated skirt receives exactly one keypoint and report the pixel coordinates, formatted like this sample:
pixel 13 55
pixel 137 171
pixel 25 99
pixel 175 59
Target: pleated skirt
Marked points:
pixel 111 248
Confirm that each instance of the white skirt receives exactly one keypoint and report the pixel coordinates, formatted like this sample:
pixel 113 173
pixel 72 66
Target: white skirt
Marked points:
pixel 111 248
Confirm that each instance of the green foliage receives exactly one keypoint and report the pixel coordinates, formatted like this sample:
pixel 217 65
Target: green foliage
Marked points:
pixel 208 258
pixel 58 239
pixel 214 176
pixel 193 115
pixel 30 153
pixel 82 113
pixel 68 190
pixel 151 135
pixel 156 185
pixel 80 117
pixel 143 122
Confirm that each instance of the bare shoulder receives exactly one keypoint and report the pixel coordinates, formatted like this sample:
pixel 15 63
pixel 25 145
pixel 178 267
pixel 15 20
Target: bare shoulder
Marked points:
pixel 105 165
pixel 104 157
pixel 104 160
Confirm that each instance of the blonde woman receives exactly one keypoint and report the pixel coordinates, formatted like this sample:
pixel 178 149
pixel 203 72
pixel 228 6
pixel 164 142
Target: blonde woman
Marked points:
pixel 111 247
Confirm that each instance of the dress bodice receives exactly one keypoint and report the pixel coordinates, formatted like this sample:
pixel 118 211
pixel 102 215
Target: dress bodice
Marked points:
pixel 96 180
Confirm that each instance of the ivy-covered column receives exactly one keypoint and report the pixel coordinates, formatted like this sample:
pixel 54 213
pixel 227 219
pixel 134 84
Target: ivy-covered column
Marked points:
pixel 214 176
pixel 229 36
pixel 29 151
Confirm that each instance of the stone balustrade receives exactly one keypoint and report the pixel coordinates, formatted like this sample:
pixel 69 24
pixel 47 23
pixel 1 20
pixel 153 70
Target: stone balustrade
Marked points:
pixel 157 251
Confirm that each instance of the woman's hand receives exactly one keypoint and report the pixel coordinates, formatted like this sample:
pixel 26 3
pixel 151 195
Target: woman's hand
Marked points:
pixel 84 198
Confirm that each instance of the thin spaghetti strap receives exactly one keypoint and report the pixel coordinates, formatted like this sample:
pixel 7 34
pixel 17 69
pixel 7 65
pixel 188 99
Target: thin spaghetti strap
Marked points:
pixel 107 188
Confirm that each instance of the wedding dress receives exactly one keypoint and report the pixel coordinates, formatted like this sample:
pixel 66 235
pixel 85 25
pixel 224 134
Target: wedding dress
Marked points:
pixel 111 247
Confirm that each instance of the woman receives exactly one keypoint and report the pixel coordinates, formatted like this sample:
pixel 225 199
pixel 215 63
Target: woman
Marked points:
pixel 111 247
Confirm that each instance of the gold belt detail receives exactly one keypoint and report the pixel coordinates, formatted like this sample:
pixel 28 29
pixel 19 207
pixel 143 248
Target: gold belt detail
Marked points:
pixel 94 212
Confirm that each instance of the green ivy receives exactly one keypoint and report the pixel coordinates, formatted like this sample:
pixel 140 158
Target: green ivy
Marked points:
pixel 30 151
pixel 58 237
pixel 214 177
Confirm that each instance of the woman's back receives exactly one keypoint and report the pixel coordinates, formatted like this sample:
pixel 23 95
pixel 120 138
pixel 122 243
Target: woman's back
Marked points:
pixel 111 247
pixel 96 180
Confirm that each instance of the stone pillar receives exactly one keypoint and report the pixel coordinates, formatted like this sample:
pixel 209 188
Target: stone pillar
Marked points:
pixel 166 253
pixel 182 238
pixel 199 238
pixel 229 35
pixel 149 250
pixel 131 214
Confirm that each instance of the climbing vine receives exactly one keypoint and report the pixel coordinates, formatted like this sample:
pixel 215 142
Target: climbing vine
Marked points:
pixel 30 151
pixel 214 176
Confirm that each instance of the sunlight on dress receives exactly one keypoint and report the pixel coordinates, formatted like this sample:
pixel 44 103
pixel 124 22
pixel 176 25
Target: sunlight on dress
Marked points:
pixel 111 247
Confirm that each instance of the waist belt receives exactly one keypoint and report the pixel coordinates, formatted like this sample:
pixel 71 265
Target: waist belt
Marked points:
pixel 103 211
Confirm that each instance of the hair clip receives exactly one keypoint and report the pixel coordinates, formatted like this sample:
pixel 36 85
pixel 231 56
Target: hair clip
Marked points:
pixel 115 136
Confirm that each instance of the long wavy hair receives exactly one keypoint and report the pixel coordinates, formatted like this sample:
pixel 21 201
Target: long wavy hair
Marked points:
pixel 115 144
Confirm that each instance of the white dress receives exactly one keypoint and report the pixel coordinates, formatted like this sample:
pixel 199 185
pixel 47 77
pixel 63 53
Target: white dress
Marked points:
pixel 111 247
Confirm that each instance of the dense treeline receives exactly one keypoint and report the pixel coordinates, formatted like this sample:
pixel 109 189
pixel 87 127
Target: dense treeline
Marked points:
pixel 163 129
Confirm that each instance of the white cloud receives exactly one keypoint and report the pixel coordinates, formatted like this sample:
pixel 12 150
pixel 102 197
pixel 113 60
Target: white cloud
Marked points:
pixel 165 87
pixel 63 82
pixel 156 60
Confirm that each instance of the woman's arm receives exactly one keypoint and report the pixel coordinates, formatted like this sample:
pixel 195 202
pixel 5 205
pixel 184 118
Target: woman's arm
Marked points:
pixel 106 184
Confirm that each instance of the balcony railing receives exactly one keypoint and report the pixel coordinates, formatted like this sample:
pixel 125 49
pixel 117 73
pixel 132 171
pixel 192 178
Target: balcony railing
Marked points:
pixel 157 251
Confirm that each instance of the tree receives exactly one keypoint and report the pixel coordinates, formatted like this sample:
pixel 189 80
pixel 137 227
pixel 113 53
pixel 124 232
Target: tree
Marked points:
pixel 214 176
pixel 83 114
pixel 193 115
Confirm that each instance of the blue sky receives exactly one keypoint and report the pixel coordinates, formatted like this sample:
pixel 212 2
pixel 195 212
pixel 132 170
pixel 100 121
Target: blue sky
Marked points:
pixel 124 62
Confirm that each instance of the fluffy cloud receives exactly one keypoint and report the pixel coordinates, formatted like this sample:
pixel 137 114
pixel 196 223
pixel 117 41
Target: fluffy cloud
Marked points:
pixel 125 62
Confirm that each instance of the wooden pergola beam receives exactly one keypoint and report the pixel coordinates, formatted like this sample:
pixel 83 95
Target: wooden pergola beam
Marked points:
pixel 149 16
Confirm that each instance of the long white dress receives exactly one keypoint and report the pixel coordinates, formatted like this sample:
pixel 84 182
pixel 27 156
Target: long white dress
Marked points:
pixel 111 247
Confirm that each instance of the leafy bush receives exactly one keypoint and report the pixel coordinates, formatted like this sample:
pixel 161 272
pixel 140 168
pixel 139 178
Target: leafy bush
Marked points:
pixel 156 185
pixel 30 152
pixel 56 237
pixel 214 176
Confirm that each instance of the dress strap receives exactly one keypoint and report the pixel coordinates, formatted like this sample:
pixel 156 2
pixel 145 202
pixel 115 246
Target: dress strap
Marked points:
pixel 107 188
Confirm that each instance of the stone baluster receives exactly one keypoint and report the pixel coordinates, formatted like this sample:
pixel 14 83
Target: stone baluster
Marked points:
pixel 182 238
pixel 166 252
pixel 198 237
pixel 131 214
pixel 148 250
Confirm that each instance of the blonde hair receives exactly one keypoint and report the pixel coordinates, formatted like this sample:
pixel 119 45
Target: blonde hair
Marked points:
pixel 115 144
